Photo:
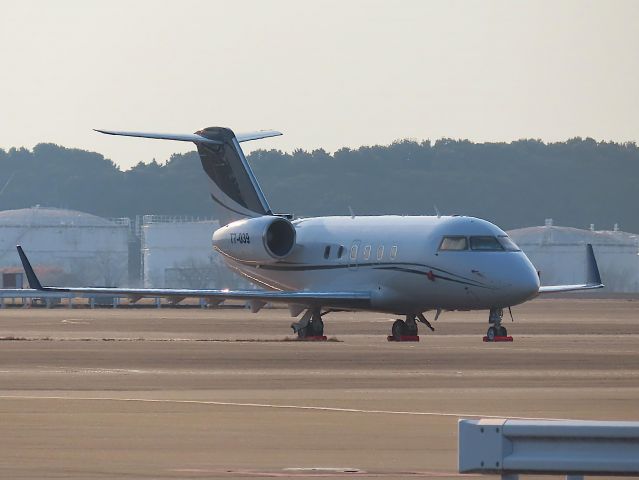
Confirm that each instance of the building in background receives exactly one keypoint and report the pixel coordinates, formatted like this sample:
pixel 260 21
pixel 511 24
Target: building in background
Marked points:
pixel 66 247
pixel 559 253
pixel 177 253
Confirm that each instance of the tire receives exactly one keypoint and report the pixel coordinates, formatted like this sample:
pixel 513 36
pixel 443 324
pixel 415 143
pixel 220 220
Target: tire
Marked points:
pixel 399 328
pixel 315 328
pixel 491 334
pixel 502 332
pixel 411 330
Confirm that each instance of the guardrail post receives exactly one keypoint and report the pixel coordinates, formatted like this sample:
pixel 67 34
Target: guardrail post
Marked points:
pixel 158 302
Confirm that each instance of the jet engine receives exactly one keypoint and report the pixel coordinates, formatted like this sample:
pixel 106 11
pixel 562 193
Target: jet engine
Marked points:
pixel 264 239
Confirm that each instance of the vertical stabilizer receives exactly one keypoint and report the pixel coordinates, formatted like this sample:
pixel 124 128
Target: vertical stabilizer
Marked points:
pixel 233 185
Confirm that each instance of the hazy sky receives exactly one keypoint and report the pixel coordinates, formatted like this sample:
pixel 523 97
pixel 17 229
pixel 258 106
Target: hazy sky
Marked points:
pixel 326 73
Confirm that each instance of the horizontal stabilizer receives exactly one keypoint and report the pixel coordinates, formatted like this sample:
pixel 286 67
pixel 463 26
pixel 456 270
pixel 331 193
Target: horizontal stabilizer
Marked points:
pixel 593 278
pixel 245 137
pixel 192 137
pixel 182 137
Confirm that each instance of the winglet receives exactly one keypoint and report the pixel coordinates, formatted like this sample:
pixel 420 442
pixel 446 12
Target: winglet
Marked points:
pixel 31 276
pixel 593 276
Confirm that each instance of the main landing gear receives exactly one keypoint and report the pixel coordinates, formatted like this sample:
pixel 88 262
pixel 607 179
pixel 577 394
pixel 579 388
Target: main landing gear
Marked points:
pixel 310 326
pixel 406 330
pixel 496 331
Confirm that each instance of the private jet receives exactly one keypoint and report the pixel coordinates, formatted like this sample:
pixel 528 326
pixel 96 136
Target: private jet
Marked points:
pixel 400 265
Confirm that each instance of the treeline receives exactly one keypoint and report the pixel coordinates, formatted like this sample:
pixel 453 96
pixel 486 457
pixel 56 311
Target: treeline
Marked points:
pixel 576 182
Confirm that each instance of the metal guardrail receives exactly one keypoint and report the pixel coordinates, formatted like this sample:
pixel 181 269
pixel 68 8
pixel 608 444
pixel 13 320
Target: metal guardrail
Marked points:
pixel 32 293
pixel 28 296
pixel 541 447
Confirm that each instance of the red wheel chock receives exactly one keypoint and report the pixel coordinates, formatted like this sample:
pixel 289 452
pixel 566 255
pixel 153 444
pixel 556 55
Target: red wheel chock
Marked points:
pixel 403 338
pixel 499 339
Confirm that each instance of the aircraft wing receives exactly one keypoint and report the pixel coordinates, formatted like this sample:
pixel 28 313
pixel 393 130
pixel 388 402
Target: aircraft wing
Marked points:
pixel 593 280
pixel 567 288
pixel 334 299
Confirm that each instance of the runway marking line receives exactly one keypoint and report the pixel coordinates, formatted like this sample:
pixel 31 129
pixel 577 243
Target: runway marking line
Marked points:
pixel 268 405
pixel 321 473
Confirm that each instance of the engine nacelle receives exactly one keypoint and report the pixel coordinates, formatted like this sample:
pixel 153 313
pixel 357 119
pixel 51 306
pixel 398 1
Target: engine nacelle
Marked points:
pixel 262 240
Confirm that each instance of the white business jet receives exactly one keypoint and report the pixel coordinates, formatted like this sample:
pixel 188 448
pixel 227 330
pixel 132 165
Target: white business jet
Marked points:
pixel 402 265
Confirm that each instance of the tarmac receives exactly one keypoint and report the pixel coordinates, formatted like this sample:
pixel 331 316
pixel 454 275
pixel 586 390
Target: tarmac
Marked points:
pixel 222 393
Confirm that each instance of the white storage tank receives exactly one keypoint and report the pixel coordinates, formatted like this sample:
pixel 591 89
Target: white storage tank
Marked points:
pixel 177 253
pixel 559 253
pixel 66 247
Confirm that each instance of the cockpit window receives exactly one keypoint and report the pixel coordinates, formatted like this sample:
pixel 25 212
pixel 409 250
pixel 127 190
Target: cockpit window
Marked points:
pixel 508 244
pixel 454 243
pixel 485 243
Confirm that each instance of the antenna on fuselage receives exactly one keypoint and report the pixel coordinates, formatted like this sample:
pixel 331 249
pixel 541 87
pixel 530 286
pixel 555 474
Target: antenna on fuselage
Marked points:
pixel 439 215
pixel 351 210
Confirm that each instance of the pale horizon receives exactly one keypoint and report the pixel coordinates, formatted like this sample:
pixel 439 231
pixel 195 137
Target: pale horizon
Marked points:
pixel 327 74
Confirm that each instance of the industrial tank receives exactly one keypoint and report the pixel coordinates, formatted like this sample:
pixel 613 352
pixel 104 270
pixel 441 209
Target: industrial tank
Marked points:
pixel 559 253
pixel 177 252
pixel 66 247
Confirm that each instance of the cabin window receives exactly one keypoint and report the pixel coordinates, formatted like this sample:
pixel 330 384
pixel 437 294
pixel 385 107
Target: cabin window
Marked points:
pixel 508 244
pixel 367 252
pixel 485 243
pixel 454 243
pixel 393 252
pixel 340 251
pixel 353 252
pixel 327 251
pixel 380 252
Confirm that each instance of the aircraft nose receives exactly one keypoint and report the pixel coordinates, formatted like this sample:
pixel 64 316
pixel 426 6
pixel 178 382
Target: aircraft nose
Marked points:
pixel 524 281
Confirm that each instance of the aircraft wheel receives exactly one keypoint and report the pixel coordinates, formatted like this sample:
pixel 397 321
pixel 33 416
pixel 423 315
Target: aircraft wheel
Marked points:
pixel 491 334
pixel 315 328
pixel 502 332
pixel 411 330
pixel 399 328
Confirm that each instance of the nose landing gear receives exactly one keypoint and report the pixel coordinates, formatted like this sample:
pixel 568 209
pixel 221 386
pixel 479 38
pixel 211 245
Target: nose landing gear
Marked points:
pixel 496 332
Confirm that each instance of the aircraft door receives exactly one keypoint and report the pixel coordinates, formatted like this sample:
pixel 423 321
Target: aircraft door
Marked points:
pixel 353 255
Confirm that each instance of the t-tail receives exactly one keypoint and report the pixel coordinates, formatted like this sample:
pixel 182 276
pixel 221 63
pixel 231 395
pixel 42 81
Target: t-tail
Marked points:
pixel 233 186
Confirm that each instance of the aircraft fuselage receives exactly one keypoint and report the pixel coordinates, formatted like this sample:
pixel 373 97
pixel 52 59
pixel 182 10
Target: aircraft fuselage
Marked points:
pixel 399 259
